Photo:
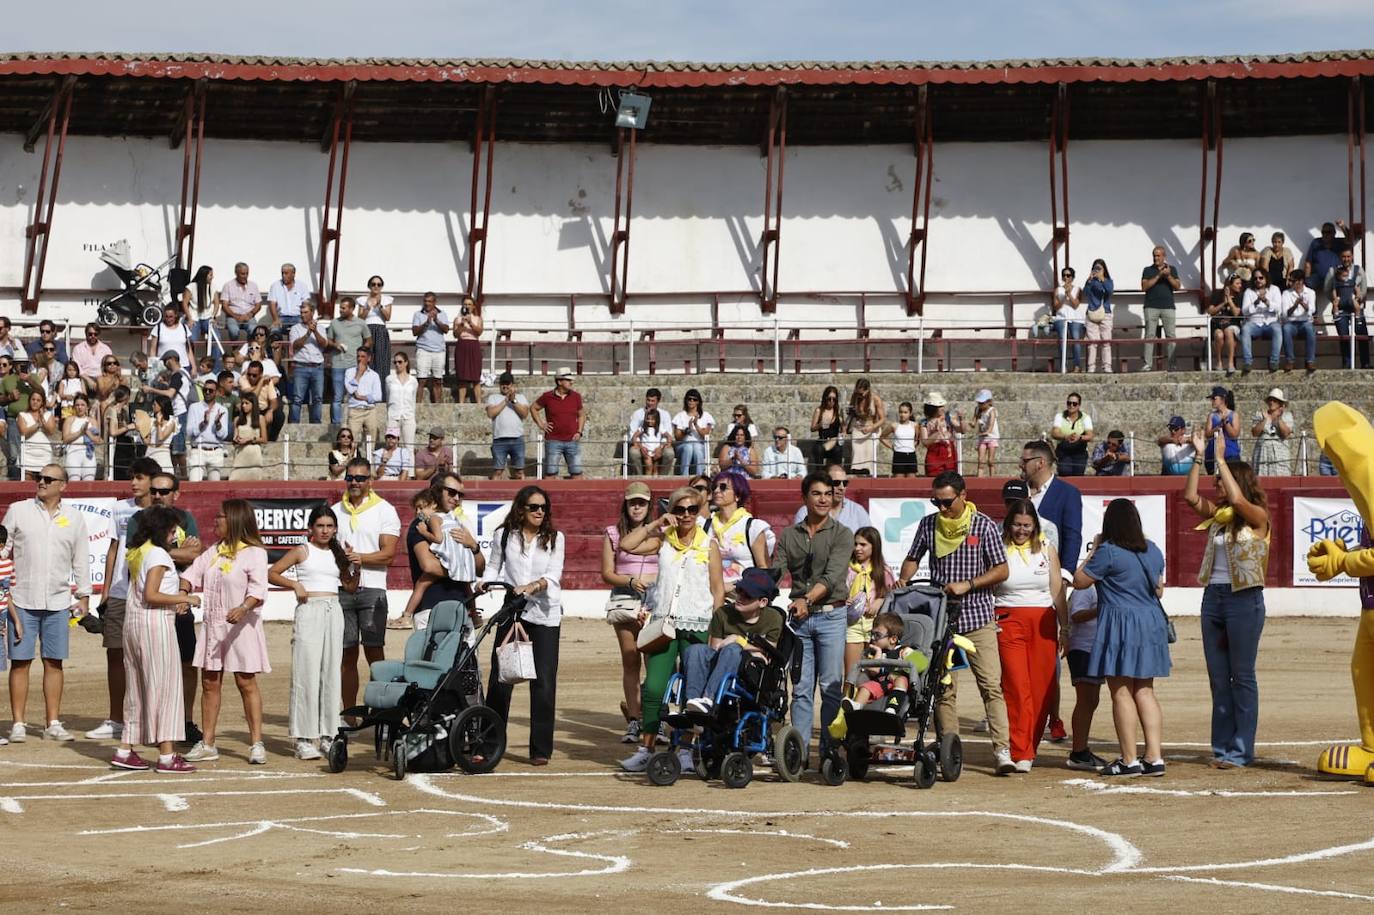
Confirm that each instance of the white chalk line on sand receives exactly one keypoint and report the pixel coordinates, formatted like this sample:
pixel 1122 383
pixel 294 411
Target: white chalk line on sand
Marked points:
pixel 1104 788
pixel 174 801
pixel 143 778
pixel 1271 887
pixel 614 864
pixel 780 833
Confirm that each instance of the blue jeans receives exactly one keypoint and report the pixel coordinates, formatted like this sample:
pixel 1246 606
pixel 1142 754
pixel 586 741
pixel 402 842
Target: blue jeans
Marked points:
pixel 1309 334
pixel 288 322
pixel 705 670
pixel 508 452
pixel 13 443
pixel 1249 332
pixel 691 458
pixel 822 639
pixel 1231 625
pixel 1362 330
pixel 571 453
pixel 234 329
pixel 337 395
pixel 306 380
pixel 1073 330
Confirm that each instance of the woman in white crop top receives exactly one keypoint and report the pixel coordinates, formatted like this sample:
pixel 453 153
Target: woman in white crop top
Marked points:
pixel 1032 623
pixel 321 569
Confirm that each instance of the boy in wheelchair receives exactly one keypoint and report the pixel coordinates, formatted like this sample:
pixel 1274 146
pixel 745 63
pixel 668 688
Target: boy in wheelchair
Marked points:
pixel 706 667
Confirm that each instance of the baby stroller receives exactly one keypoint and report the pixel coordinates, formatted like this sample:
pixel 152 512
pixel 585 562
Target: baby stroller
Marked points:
pixel 426 709
pixel 745 709
pixel 146 288
pixel 928 619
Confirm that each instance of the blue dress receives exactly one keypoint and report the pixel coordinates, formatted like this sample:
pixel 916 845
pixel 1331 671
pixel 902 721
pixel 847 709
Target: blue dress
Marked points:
pixel 1132 639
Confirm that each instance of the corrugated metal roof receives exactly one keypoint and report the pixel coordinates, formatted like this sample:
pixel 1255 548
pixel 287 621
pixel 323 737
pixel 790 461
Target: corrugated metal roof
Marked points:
pixel 685 73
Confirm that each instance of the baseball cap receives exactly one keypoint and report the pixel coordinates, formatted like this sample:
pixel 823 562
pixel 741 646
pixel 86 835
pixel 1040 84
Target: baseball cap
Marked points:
pixel 1218 391
pixel 506 378
pixel 1015 489
pixel 983 396
pixel 637 491
pixel 563 372
pixel 756 583
pixel 393 432
pixel 1177 422
pixel 436 432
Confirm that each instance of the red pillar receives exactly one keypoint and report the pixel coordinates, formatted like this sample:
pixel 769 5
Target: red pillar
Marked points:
pixel 59 112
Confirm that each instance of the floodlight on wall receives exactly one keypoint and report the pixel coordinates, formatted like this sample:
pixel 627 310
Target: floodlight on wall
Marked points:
pixel 632 111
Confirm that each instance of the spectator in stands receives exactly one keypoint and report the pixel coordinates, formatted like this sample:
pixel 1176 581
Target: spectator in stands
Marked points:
pixel 45 370
pixel 120 429
pixel 1176 451
pixel 1277 260
pixel 346 335
pixel 344 450
pixel 285 297
pixel 392 461
pixel 827 423
pixel 692 426
pixel 1225 317
pixel 207 429
pixel 260 387
pixel 47 333
pixel 1073 431
pixel 559 413
pixel 434 458
pixel 14 397
pixel 1324 253
pixel 938 428
pixel 250 434
pixel 968 560
pixel 207 376
pixel 1225 422
pixel 1299 313
pixel 9 344
pixel 652 398
pixel 80 438
pixel 737 452
pixel 1345 289
pixel 989 433
pixel 844 510
pixel 241 303
pixel 507 411
pixel 37 429
pixel 198 304
pixel 1070 316
pixel 402 395
pixel 1112 458
pixel 816 551
pixel 171 336
pixel 467 363
pixel 375 309
pixel 902 437
pixel 365 410
pixel 1159 281
pixel 429 326
pixel 1272 428
pixel 864 421
pixel 1262 306
pixel 1242 259
pixel 110 378
pixel 1098 292
pixel 157 428
pixel 740 417
pixel 67 388
pixel 783 460
pixel 307 347
pixel 649 443
pixel 90 354
pixel 1058 502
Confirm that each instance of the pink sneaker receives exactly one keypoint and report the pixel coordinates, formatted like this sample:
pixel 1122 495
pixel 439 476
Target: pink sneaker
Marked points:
pixel 133 762
pixel 178 766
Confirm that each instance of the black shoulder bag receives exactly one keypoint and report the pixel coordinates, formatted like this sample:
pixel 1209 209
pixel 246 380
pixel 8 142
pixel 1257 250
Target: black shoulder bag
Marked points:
pixel 1168 623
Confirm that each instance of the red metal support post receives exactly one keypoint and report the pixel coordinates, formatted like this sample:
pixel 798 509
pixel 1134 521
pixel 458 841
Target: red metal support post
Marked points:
pixel 620 235
pixel 194 127
pixel 1059 177
pixel 341 137
pixel 1211 148
pixel 483 155
pixel 772 201
pixel 920 206
pixel 59 110
pixel 1355 135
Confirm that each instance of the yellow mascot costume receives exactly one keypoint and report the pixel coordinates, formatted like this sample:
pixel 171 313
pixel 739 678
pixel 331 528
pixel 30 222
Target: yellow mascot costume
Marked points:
pixel 1348 439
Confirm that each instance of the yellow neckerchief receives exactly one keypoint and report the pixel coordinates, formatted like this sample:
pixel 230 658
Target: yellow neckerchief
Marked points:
pixel 1222 518
pixel 353 513
pixel 863 579
pixel 226 553
pixel 950 532
pixel 699 547
pixel 1021 549
pixel 721 526
pixel 137 555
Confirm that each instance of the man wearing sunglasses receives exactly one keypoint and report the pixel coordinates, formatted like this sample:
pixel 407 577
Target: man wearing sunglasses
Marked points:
pixel 849 513
pixel 783 460
pixel 815 552
pixel 90 353
pixel 368 530
pixel 50 550
pixel 968 560
pixel 47 336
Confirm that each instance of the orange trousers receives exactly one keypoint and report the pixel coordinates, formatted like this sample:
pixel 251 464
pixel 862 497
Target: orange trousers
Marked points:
pixel 1028 640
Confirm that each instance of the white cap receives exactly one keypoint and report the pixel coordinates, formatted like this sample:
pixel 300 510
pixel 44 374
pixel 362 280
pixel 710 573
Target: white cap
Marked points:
pixel 983 396
pixel 935 399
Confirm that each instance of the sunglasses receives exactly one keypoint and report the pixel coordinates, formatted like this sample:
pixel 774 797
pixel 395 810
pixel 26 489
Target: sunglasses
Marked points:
pixel 48 481
pixel 110 365
pixel 839 484
pixel 540 507
pixel 739 416
pixel 943 503
pixel 778 438
pixel 724 487
pixel 683 510
pixel 699 488
pixel 1072 403
pixel 374 285
pixel 877 635
pixel 161 490
pixel 356 477
pixel 455 493
pixel 49 349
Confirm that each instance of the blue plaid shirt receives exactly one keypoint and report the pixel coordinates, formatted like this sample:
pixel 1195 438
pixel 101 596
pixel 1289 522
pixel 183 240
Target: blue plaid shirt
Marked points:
pixel 980 551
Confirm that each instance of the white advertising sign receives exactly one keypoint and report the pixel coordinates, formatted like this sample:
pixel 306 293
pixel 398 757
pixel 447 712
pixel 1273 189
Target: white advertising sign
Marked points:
pixel 1323 519
pixel 896 521
pixel 96 513
pixel 1152 513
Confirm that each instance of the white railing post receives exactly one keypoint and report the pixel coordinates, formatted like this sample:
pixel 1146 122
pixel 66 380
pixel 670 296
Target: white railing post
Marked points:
pixel 454 461
pixel 625 457
pixel 539 454
pixel 959 452
pixel 1207 332
pixel 109 458
pixel 494 335
pixel 1302 453
pixel 286 456
pixel 920 344
pixel 777 347
pixel 1130 446
pixel 1063 347
pixel 632 346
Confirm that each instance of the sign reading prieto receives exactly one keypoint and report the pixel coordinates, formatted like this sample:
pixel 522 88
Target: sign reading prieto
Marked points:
pixel 1323 519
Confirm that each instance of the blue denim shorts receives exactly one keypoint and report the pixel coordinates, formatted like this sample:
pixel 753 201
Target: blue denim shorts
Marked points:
pixel 47 626
pixel 507 451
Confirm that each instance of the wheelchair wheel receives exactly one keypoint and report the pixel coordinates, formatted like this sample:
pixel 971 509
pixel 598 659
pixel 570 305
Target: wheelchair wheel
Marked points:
pixel 789 753
pixel 951 757
pixel 398 760
pixel 151 315
pixel 107 316
pixel 337 757
pixel 925 769
pixel 858 755
pixel 477 739
pixel 664 768
pixel 736 770
pixel 834 769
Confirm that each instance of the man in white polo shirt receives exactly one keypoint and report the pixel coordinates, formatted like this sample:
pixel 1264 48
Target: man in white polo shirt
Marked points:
pixel 285 297
pixel 368 530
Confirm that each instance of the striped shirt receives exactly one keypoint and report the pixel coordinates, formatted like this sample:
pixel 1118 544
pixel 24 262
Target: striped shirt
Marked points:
pixel 981 550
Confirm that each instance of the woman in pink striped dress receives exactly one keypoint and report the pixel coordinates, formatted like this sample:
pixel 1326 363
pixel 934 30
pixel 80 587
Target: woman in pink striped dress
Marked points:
pixel 233 579
pixel 153 707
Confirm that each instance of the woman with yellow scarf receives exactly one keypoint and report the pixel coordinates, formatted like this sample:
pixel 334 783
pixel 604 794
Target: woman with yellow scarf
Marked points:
pixel 689 588
pixel 1232 575
pixel 869 581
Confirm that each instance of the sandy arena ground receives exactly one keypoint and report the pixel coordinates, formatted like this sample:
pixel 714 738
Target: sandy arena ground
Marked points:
pixel 580 836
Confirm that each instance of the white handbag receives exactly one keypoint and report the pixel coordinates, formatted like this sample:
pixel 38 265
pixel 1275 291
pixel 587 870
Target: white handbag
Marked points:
pixel 515 656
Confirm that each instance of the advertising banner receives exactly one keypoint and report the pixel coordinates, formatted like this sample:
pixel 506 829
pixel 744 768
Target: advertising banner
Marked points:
pixel 1323 519
pixel 896 521
pixel 97 514
pixel 281 522
pixel 1152 511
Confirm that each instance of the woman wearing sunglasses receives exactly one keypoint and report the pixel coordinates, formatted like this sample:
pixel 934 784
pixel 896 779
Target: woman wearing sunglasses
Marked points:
pixel 629 577
pixel 375 309
pixel 527 554
pixel 744 541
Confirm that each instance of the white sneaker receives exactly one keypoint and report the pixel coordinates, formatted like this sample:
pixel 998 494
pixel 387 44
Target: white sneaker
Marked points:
pixel 637 763
pixel 1024 765
pixel 305 749
pixel 202 752
pixel 324 745
pixel 1004 764
pixel 19 732
pixel 108 730
pixel 702 705
pixel 684 758
pixel 55 731
pixel 4 742
pixel 257 755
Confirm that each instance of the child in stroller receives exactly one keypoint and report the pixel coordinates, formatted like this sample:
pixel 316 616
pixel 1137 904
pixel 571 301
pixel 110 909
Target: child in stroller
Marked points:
pixel 892 682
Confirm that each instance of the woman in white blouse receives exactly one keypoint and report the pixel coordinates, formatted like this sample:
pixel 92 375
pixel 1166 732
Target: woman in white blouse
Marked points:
pixel 375 309
pixel 527 554
pixel 1070 317
pixel 171 336
pixel 401 387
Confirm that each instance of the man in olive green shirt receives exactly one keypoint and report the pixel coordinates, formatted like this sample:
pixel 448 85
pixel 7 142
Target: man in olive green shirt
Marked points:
pixel 345 335
pixel 14 399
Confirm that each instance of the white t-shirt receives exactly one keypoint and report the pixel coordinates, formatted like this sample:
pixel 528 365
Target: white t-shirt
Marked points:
pixel 704 421
pixel 1067 311
pixel 374 314
pixel 155 558
pixel 507 423
pixel 118 587
pixel 371 525
pixel 174 339
pixel 1081 635
pixel 1028 581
